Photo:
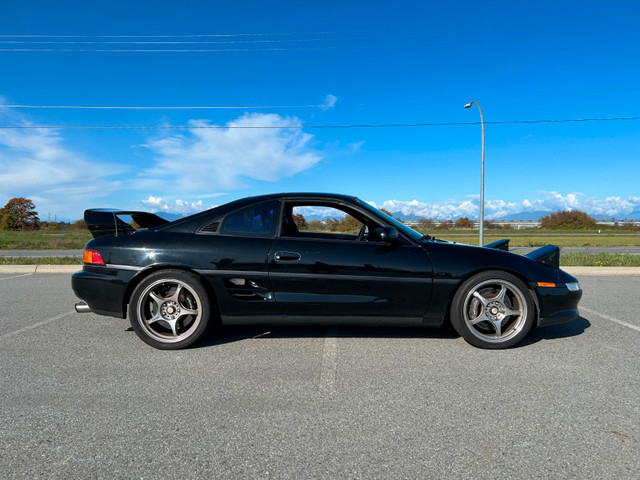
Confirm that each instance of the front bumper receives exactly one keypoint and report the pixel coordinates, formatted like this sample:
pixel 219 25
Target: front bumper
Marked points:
pixel 557 305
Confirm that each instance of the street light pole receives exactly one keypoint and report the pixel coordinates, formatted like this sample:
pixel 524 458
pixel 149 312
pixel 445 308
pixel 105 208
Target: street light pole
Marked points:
pixel 468 105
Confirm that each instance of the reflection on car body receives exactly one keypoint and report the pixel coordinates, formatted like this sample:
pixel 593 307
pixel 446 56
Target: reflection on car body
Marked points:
pixel 259 261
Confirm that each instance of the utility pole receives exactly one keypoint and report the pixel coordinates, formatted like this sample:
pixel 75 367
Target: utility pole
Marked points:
pixel 468 105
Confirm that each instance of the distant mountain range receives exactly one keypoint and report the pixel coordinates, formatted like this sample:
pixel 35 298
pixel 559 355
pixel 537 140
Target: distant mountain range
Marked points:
pixel 533 215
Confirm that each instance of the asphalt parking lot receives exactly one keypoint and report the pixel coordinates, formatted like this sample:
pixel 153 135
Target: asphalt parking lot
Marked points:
pixel 83 397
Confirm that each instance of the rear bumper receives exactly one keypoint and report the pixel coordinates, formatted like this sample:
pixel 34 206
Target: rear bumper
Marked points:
pixel 557 305
pixel 103 289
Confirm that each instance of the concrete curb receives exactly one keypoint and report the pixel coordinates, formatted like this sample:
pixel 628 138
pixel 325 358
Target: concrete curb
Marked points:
pixel 577 271
pixel 604 271
pixel 37 269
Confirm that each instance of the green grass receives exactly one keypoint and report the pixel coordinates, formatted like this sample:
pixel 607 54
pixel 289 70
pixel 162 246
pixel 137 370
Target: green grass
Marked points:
pixel 599 260
pixel 540 240
pixel 76 239
pixel 41 261
pixel 44 240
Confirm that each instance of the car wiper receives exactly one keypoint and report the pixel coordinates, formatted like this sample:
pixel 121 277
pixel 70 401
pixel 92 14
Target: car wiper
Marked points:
pixel 426 237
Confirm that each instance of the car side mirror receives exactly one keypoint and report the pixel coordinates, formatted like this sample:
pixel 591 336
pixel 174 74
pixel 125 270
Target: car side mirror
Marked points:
pixel 388 234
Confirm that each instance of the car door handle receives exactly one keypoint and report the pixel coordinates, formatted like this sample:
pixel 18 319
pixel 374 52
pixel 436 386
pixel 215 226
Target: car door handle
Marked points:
pixel 287 256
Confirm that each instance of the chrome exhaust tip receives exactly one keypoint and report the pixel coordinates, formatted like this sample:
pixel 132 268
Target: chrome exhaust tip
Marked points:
pixel 82 307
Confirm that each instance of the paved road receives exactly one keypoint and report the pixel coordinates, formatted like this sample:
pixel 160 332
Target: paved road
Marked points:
pixel 83 397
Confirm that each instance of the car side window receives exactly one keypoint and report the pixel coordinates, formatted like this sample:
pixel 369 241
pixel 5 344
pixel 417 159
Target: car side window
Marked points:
pixel 324 221
pixel 257 219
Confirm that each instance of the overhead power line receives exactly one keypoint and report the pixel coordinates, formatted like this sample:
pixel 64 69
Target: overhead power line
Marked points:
pixel 150 107
pixel 377 125
pixel 324 105
pixel 286 41
pixel 564 21
pixel 341 46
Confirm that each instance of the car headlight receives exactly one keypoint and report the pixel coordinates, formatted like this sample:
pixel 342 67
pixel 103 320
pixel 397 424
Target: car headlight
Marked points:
pixel 573 287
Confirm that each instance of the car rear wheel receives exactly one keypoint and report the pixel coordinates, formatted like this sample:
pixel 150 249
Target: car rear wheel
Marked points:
pixel 493 309
pixel 170 309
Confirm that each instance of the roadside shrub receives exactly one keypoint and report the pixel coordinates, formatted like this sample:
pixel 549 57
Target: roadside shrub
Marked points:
pixel 463 222
pixel 568 220
pixel 300 221
pixel 425 224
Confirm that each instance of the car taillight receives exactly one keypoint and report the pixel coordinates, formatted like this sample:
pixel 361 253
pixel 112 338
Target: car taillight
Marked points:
pixel 92 257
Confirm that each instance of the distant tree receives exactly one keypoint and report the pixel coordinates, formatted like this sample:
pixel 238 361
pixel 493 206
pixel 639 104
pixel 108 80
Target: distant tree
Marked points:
pixel 445 225
pixel 331 225
pixel 349 223
pixel 300 221
pixel 19 214
pixel 425 222
pixel 79 225
pixel 463 222
pixel 317 226
pixel 424 225
pixel 489 225
pixel 568 220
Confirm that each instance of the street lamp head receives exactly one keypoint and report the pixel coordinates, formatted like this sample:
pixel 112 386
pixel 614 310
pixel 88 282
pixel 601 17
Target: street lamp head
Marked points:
pixel 468 105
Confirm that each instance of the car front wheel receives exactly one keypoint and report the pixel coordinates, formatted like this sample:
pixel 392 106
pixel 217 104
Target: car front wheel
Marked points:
pixel 493 309
pixel 170 309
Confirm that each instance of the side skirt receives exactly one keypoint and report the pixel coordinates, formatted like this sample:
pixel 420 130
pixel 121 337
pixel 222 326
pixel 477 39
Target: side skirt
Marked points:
pixel 322 320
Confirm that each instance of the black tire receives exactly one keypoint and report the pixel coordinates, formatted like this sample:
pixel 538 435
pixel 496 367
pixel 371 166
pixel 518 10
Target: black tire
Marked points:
pixel 170 309
pixel 493 310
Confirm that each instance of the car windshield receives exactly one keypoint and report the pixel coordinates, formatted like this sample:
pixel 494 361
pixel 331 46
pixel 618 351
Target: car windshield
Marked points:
pixel 399 225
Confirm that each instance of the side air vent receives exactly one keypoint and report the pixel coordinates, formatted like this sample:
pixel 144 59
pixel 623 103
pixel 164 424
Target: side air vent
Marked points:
pixel 210 227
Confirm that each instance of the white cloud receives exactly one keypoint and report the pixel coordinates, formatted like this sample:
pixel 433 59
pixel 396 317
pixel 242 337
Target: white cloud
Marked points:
pixel 329 102
pixel 178 206
pixel 355 146
pixel 208 159
pixel 496 209
pixel 36 164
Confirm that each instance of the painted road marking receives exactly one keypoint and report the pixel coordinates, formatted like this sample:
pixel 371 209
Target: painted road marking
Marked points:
pixel 613 319
pixel 36 325
pixel 16 276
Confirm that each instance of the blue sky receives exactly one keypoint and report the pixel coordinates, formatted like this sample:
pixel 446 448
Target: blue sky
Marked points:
pixel 321 64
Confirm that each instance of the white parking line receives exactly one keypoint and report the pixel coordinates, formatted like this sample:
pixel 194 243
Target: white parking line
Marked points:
pixel 329 363
pixel 16 276
pixel 608 317
pixel 36 325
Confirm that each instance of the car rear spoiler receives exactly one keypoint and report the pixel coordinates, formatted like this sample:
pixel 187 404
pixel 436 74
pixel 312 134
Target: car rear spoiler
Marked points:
pixel 103 222
pixel 547 255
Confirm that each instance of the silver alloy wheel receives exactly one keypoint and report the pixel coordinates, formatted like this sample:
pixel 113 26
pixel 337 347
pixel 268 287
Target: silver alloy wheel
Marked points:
pixel 495 310
pixel 169 310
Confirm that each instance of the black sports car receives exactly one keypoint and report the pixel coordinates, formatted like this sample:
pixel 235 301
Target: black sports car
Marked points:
pixel 263 260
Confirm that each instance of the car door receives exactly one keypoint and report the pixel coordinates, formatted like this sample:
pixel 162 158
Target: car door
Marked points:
pixel 236 249
pixel 347 278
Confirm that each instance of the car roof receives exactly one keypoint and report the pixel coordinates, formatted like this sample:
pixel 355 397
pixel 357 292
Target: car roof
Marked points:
pixel 188 223
pixel 329 196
